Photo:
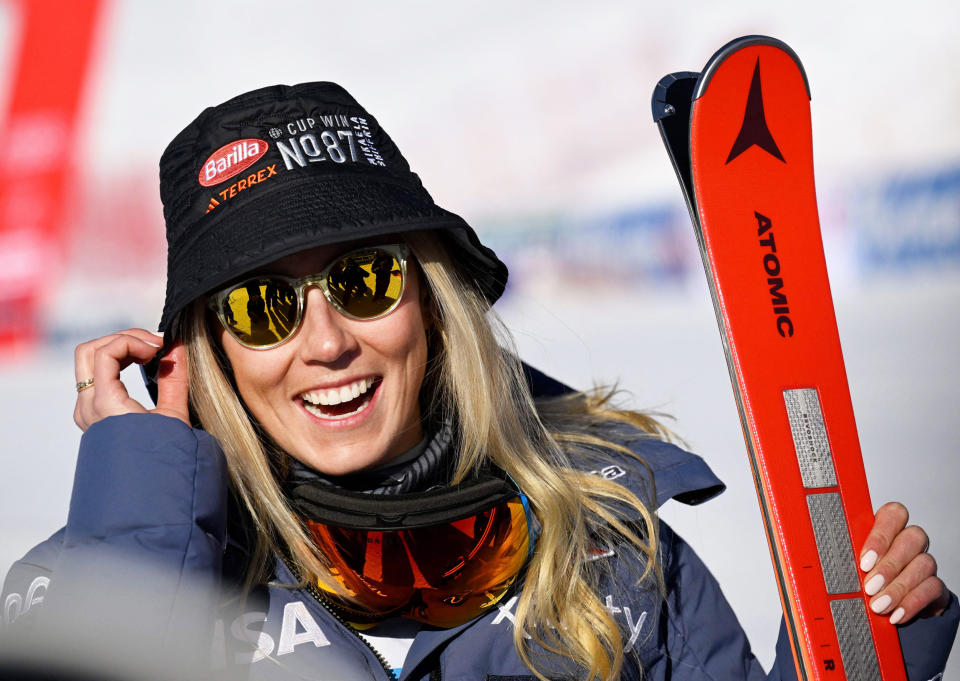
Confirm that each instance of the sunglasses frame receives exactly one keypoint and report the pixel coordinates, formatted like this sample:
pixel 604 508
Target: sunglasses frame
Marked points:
pixel 399 251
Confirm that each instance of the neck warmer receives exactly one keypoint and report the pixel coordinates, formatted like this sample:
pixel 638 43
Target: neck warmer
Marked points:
pixel 426 465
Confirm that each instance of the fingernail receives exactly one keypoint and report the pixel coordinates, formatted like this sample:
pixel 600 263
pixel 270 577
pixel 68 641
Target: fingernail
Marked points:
pixel 873 585
pixel 881 603
pixel 897 615
pixel 868 560
pixel 153 344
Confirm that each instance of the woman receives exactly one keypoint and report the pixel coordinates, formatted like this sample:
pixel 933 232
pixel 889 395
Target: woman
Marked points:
pixel 404 496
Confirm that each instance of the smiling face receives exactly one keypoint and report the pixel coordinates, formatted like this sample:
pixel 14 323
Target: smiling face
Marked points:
pixel 341 395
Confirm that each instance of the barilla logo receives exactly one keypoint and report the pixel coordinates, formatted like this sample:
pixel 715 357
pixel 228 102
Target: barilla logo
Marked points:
pixel 231 159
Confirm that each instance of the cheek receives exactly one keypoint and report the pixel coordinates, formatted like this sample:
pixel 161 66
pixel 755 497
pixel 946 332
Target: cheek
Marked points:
pixel 257 375
pixel 418 362
pixel 410 349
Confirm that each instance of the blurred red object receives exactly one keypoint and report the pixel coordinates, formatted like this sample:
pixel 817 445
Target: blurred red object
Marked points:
pixel 50 63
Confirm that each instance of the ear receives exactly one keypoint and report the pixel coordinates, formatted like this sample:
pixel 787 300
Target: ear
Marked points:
pixel 427 313
pixel 428 308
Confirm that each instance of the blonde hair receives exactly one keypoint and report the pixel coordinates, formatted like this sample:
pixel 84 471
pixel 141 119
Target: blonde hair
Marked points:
pixel 473 371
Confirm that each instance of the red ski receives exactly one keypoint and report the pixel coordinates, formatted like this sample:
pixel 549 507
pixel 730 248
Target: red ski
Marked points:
pixel 739 137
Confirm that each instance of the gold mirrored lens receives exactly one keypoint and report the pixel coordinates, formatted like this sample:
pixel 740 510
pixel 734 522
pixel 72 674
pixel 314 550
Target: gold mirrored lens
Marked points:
pixel 262 311
pixel 366 284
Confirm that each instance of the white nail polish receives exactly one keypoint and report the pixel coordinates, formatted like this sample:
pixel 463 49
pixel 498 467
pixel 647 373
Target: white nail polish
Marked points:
pixel 873 585
pixel 897 615
pixel 881 604
pixel 868 561
pixel 153 344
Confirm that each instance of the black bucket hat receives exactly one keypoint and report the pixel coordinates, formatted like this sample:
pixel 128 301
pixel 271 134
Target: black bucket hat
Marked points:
pixel 285 168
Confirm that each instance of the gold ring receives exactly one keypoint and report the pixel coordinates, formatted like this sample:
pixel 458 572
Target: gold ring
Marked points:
pixel 83 385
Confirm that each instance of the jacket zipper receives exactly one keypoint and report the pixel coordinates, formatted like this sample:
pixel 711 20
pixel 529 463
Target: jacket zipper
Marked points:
pixel 327 605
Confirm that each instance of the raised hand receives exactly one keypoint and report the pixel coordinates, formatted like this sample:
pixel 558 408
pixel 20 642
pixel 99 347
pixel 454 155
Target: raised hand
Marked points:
pixel 102 360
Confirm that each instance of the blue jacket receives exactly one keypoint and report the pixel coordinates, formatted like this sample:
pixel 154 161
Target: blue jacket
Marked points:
pixel 150 488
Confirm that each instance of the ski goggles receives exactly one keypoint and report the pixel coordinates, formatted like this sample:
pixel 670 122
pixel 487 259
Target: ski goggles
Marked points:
pixel 440 557
pixel 265 311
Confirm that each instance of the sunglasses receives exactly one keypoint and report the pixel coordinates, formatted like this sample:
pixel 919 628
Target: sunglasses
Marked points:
pixel 265 311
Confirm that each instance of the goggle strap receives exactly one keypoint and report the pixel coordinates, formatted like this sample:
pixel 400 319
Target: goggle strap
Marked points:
pixel 320 504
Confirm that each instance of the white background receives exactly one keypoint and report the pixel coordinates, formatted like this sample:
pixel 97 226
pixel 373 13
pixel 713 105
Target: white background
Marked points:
pixel 508 108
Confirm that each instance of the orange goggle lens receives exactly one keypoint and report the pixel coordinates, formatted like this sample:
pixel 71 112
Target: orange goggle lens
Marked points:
pixel 263 312
pixel 443 575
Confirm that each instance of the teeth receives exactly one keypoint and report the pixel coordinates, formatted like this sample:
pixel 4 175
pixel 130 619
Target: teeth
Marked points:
pixel 329 417
pixel 337 395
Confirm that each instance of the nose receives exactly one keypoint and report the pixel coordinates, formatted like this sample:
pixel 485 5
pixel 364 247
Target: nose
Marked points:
pixel 324 333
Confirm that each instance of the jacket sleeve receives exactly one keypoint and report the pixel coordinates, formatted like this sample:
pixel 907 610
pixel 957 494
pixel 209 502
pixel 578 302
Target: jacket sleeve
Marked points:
pixel 141 553
pixel 26 583
pixel 926 643
pixel 704 637
pixel 707 641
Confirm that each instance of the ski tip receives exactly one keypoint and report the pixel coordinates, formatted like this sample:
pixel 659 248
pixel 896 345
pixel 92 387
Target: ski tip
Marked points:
pixel 662 102
pixel 738 44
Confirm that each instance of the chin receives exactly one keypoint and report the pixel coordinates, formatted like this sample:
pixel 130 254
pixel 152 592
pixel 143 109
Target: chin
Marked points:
pixel 336 463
